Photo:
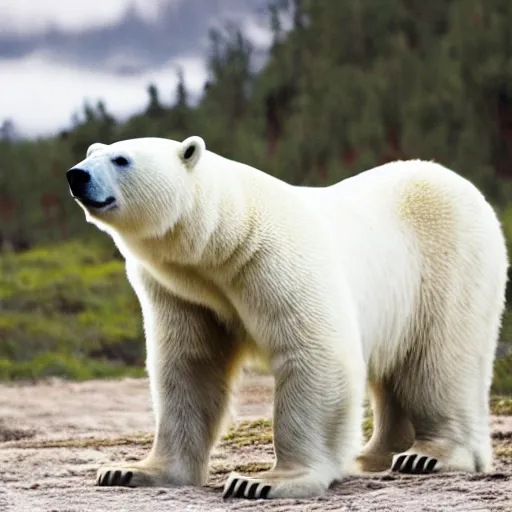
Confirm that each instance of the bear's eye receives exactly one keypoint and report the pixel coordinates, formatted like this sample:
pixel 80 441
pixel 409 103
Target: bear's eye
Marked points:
pixel 121 161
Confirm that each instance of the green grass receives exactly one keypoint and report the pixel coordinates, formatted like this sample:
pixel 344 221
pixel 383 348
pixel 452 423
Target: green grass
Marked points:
pixel 70 367
pixel 68 311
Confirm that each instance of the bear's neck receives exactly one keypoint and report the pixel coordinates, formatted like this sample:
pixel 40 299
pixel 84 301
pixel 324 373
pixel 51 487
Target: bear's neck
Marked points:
pixel 215 226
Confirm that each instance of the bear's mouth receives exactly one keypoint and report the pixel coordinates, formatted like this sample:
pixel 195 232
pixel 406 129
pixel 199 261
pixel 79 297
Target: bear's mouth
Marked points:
pixel 108 204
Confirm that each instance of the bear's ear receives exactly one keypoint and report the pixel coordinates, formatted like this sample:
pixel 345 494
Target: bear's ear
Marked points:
pixel 191 150
pixel 94 147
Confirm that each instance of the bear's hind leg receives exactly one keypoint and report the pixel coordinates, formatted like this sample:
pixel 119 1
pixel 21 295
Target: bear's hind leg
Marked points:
pixel 444 379
pixel 446 397
pixel 392 429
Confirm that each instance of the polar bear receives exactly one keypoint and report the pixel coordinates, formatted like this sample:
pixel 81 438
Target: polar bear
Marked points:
pixel 392 281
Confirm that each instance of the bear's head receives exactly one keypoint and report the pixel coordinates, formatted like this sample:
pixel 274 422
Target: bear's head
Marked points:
pixel 140 186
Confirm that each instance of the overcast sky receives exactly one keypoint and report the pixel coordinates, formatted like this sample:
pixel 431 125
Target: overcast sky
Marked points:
pixel 55 54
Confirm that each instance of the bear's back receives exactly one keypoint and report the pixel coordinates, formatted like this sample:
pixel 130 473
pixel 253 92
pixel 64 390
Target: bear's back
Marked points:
pixel 400 227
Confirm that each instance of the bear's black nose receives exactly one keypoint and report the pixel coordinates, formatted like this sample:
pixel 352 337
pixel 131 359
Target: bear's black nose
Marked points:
pixel 78 179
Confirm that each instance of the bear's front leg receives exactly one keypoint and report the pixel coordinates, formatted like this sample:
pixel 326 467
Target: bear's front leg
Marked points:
pixel 190 359
pixel 319 376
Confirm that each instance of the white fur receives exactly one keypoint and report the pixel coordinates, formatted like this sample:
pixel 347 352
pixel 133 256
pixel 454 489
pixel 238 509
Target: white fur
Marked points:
pixel 394 277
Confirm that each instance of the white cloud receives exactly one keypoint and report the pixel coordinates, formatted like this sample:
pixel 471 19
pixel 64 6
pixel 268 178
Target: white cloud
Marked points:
pixel 259 35
pixel 29 16
pixel 41 96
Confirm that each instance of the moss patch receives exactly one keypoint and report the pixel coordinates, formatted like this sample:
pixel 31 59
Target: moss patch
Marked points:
pixel 501 405
pixel 248 433
pixel 88 442
pixel 256 467
pixel 503 451
pixel 244 433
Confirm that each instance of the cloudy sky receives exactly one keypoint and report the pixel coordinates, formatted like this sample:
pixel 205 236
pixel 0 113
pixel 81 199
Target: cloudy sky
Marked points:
pixel 55 54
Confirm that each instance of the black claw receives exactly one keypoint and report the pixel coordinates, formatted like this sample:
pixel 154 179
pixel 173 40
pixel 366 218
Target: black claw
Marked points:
pixel 125 480
pixel 398 464
pixel 408 465
pixel 116 478
pixel 264 492
pixel 431 465
pixel 231 488
pixel 252 491
pixel 104 479
pixel 421 464
pixel 240 492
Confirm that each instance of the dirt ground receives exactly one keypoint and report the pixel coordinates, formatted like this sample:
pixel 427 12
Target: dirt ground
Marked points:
pixel 54 435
